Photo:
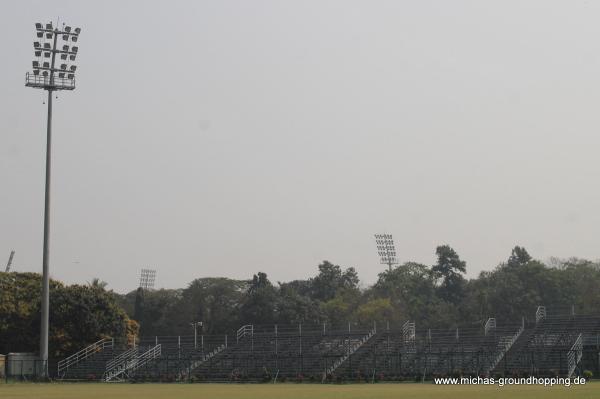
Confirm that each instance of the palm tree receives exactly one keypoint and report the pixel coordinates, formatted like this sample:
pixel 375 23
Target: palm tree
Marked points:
pixel 97 283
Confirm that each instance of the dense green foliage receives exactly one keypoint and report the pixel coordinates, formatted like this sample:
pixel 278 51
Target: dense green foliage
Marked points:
pixel 79 315
pixel 436 296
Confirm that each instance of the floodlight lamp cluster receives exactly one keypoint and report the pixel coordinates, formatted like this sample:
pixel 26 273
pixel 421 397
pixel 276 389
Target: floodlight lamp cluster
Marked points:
pixel 53 43
pixel 386 249
pixel 147 278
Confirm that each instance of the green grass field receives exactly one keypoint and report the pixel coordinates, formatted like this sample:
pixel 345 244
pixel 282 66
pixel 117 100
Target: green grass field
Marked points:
pixel 289 391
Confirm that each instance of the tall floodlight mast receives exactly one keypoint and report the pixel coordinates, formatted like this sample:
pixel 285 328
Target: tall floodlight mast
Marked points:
pixel 50 43
pixel 386 250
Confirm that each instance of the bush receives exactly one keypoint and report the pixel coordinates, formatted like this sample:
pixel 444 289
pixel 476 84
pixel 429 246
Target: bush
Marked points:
pixel 587 374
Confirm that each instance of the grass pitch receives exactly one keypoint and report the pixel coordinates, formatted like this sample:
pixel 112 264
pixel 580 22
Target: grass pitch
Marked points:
pixel 290 391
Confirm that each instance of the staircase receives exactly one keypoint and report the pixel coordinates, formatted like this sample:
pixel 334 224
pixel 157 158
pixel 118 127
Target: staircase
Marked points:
pixel 76 358
pixel 504 345
pixel 574 355
pixel 351 350
pixel 130 361
pixel 184 373
pixel 121 359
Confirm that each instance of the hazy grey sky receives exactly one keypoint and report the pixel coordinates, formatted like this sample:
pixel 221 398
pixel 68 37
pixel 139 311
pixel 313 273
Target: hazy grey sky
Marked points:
pixel 220 138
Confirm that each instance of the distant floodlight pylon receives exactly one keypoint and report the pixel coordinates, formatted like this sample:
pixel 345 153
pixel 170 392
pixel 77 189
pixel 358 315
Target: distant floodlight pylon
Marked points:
pixel 147 278
pixel 386 250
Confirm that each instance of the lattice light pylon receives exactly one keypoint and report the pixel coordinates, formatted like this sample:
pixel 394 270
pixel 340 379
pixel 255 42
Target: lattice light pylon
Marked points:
pixel 386 250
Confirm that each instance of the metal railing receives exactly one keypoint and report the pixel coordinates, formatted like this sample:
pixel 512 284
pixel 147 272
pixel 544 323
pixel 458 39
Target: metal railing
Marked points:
pixel 540 314
pixel 129 365
pixel 146 357
pixel 351 350
pixel 184 373
pixel 128 354
pixel 575 354
pixel 408 331
pixel 248 329
pixel 490 324
pixel 83 354
pixel 56 83
pixel 504 348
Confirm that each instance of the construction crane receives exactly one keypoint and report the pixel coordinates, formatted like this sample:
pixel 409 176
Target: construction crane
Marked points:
pixel 10 258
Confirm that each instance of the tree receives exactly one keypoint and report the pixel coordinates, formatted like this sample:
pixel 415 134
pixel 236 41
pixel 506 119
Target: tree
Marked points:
pixel 331 279
pixel 518 257
pixel 294 308
pixel 411 290
pixel 260 303
pixel 339 310
pixel 79 315
pixel 97 283
pixel 450 269
pixel 216 301
pixel 375 310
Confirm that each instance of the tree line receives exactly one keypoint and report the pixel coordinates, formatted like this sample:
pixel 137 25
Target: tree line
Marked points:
pixel 433 296
pixel 436 296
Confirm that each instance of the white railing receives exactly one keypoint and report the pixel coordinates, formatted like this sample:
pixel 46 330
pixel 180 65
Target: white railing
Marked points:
pixel 540 314
pixel 184 373
pixel 409 336
pixel 248 329
pixel 146 357
pixel 83 354
pixel 490 324
pixel 128 354
pixel 130 364
pixel 408 331
pixel 575 354
pixel 351 350
pixel 504 346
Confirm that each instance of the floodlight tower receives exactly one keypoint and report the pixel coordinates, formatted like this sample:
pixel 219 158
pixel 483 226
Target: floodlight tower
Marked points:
pixel 386 250
pixel 44 76
pixel 147 277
